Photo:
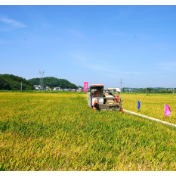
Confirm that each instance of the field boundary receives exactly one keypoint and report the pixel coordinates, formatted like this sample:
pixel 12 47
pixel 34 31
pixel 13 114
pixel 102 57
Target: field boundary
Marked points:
pixel 151 118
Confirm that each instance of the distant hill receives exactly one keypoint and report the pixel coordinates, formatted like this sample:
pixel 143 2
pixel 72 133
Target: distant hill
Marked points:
pixel 12 82
pixel 54 82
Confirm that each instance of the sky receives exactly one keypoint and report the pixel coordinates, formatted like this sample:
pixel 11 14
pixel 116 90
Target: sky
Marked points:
pixel 100 44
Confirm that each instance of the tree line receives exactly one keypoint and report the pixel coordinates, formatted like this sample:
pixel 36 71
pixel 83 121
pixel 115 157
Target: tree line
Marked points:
pixel 149 90
pixel 54 82
pixel 12 82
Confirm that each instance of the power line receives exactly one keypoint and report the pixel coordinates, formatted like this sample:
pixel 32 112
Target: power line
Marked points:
pixel 41 78
pixel 121 84
pixel 173 89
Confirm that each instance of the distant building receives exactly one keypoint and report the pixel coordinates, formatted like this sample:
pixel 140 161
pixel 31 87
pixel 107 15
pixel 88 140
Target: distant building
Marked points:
pixel 79 90
pixel 47 88
pixel 37 87
pixel 57 88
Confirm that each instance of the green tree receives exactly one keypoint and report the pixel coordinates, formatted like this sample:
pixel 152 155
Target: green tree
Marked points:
pixel 53 82
pixel 12 82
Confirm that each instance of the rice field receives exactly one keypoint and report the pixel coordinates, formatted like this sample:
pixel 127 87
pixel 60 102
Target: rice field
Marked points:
pixel 151 105
pixel 57 131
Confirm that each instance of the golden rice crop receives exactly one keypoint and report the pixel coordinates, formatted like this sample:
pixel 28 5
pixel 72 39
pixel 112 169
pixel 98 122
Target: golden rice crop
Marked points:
pixel 151 105
pixel 46 131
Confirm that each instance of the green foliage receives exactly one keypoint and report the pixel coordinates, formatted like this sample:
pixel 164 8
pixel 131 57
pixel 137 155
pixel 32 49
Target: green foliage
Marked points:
pixel 54 82
pixel 12 82
pixel 149 90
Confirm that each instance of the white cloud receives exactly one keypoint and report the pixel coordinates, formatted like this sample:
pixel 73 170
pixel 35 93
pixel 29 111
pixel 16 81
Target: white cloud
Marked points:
pixel 104 66
pixel 169 66
pixel 79 58
pixel 76 33
pixel 13 23
pixel 83 61
pixel 161 46
pixel 100 67
pixel 162 76
pixel 122 14
pixel 133 73
pixel 3 41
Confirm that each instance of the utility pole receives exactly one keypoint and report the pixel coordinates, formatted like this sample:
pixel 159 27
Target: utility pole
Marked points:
pixel 173 89
pixel 21 85
pixel 121 84
pixel 41 78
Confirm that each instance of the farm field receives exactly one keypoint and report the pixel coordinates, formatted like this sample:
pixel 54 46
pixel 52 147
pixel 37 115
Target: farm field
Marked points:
pixel 57 131
pixel 151 105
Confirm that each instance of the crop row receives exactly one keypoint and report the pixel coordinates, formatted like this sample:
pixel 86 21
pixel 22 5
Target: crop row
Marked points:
pixel 59 132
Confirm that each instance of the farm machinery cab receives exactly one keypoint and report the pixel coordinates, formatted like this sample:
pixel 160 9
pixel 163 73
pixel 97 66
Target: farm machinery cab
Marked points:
pixel 103 99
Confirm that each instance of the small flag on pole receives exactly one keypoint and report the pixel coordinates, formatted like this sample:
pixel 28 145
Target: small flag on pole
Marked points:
pixel 138 105
pixel 167 110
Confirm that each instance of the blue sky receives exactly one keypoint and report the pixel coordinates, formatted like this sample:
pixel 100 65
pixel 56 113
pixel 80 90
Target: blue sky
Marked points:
pixel 98 44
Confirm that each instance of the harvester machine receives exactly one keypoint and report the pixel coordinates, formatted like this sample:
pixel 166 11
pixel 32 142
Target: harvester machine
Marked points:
pixel 104 99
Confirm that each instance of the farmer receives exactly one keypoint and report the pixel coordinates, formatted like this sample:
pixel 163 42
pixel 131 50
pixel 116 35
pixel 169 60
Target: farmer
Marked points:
pixel 96 94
